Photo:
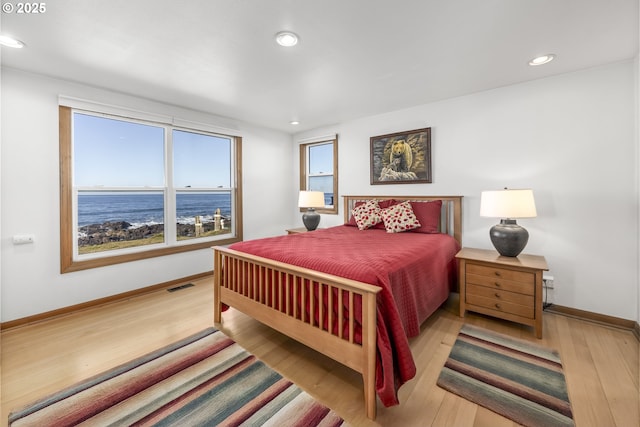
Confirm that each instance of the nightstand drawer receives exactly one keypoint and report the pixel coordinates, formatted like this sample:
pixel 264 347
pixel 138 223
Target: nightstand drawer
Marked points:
pixel 500 295
pixel 499 283
pixel 501 306
pixel 501 273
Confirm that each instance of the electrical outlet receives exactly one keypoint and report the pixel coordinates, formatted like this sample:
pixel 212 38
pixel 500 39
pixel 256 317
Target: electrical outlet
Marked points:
pixel 23 239
pixel 547 282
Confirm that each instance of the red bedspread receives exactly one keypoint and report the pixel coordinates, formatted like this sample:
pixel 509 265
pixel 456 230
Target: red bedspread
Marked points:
pixel 415 271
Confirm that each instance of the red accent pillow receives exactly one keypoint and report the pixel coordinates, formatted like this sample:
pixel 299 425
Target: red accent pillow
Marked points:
pixel 428 214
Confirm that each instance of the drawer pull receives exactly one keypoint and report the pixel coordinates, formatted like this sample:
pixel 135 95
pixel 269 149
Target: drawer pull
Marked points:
pixel 497 273
pixel 497 284
pixel 498 306
pixel 497 295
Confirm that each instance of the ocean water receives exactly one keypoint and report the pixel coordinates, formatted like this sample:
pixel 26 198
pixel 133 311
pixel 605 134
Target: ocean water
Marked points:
pixel 148 208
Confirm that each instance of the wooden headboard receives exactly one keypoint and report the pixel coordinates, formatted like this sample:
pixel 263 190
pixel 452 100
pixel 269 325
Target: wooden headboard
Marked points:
pixel 450 218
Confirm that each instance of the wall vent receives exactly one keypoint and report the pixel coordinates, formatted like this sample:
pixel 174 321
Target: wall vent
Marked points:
pixel 177 288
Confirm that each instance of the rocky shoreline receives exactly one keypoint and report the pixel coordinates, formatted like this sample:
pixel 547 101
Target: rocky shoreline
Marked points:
pixel 119 231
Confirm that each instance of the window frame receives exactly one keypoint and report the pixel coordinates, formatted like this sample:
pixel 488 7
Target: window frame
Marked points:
pixel 304 170
pixel 68 261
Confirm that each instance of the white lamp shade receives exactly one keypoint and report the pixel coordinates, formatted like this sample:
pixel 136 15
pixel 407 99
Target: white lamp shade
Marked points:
pixel 508 204
pixel 311 199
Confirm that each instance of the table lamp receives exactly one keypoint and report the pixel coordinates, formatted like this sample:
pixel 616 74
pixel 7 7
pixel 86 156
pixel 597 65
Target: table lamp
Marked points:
pixel 311 200
pixel 508 237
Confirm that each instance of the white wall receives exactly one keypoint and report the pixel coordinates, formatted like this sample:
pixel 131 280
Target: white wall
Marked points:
pixel 30 274
pixel 637 137
pixel 0 186
pixel 570 138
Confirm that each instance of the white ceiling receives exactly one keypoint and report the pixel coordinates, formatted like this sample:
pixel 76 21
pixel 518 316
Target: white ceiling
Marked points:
pixel 355 58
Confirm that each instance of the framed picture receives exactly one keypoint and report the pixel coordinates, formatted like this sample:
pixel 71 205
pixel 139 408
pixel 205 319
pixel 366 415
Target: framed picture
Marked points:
pixel 401 158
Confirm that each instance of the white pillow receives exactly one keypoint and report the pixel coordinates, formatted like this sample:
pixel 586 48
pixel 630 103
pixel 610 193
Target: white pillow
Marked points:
pixel 367 215
pixel 399 218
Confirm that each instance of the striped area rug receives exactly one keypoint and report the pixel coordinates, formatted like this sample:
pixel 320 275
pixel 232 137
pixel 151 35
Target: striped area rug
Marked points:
pixel 206 379
pixel 521 381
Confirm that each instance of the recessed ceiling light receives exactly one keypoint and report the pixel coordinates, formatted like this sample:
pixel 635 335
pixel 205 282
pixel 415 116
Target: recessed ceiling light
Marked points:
pixel 294 122
pixel 11 42
pixel 287 38
pixel 542 59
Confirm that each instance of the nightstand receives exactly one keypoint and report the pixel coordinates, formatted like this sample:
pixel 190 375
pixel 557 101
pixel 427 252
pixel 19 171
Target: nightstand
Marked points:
pixel 296 230
pixel 509 288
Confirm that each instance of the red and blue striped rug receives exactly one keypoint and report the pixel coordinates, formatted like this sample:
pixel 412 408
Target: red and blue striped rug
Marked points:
pixel 519 380
pixel 205 379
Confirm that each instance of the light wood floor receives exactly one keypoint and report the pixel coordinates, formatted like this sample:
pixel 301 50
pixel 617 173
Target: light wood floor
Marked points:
pixel 601 363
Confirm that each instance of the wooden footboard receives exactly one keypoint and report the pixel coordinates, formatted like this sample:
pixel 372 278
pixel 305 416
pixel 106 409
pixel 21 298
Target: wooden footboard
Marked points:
pixel 304 305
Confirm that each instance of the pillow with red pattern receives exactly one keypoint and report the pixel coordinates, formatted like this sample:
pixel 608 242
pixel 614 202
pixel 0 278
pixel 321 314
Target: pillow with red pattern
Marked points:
pixel 352 219
pixel 399 218
pixel 367 214
pixel 381 203
pixel 428 215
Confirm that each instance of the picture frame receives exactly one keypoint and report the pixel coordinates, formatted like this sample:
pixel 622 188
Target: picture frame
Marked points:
pixel 401 158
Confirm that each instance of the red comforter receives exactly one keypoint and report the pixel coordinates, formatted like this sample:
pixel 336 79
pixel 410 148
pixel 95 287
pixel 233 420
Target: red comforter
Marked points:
pixel 415 271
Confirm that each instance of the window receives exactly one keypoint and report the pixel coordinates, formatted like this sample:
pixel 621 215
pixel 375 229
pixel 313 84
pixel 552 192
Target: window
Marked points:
pixel 319 171
pixel 134 189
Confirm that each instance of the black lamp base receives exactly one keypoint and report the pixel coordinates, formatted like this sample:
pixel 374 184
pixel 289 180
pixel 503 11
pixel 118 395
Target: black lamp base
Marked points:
pixel 311 219
pixel 509 238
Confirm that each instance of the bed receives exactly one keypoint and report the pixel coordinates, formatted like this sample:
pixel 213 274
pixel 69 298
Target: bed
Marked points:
pixel 354 295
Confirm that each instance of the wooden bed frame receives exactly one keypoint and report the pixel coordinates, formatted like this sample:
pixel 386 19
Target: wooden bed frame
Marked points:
pixel 265 275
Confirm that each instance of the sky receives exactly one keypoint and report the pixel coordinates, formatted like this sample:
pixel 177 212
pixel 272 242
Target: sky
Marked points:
pixel 321 161
pixel 321 158
pixel 135 152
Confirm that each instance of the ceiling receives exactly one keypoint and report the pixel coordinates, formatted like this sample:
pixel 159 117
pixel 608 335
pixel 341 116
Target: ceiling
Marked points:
pixel 355 58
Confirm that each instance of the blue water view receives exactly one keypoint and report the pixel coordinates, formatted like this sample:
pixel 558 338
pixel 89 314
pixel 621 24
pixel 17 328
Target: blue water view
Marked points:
pixel 148 208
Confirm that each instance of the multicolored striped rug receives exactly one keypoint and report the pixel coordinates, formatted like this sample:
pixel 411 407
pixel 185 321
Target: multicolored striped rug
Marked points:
pixel 205 379
pixel 519 380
